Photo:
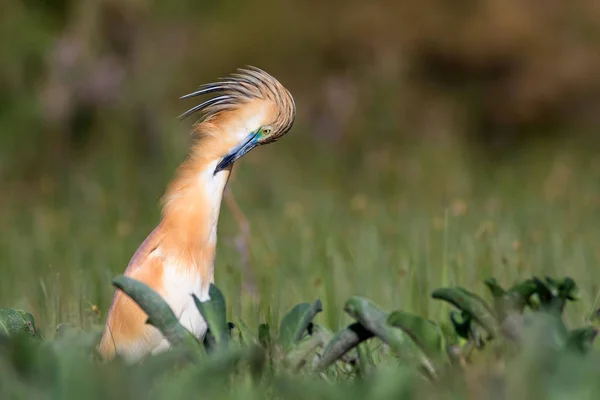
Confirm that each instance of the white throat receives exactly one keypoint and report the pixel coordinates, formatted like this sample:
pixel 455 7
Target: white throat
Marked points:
pixel 213 185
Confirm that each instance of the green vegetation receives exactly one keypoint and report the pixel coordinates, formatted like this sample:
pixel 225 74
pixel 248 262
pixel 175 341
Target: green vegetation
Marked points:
pixel 372 232
pixel 421 246
pixel 379 355
pixel 397 232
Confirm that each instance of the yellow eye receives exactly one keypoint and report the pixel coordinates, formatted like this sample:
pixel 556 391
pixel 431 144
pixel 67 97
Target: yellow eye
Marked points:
pixel 266 131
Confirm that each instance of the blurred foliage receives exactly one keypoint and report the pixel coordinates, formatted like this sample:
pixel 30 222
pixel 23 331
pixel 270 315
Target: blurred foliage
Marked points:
pixel 309 361
pixel 77 75
pixel 380 192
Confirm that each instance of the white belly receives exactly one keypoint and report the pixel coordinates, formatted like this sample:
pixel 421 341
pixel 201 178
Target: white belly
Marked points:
pixel 178 294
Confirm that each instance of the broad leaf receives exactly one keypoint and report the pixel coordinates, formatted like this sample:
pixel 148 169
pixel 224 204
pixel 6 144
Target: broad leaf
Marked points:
pixel 159 313
pixel 518 296
pixel 342 342
pixel 495 289
pixel 568 289
pixel 295 323
pixel 553 294
pixel 465 328
pixel 214 313
pixel 582 340
pixel 210 342
pixel 16 322
pixel 375 320
pixel 426 334
pixel 472 304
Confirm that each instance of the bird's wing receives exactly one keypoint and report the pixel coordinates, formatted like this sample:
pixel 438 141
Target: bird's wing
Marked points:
pixel 126 327
pixel 148 245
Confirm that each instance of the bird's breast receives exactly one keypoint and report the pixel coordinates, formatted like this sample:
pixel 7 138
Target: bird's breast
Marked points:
pixel 179 284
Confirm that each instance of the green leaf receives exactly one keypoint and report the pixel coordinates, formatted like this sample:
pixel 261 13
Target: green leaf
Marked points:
pixel 426 334
pixel 342 342
pixel 461 321
pixel 300 352
pixel 264 335
pixel 495 289
pixel 295 323
pixel 553 294
pixel 323 332
pixel 214 313
pixel 210 342
pixel 465 328
pixel 472 304
pixel 159 313
pixel 16 322
pixel 26 359
pixel 581 340
pixel 176 358
pixel 498 294
pixel 518 296
pixel 365 359
pixel 568 290
pixel 326 335
pixel 511 301
pixel 266 342
pixel 246 337
pixel 547 294
pixel 298 355
pixel 375 320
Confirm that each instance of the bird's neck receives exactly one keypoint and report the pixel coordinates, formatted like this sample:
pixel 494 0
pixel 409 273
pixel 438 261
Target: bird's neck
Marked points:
pixel 191 211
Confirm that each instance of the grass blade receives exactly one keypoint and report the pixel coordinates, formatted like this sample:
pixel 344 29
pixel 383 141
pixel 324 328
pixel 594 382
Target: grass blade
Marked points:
pixel 246 337
pixel 298 355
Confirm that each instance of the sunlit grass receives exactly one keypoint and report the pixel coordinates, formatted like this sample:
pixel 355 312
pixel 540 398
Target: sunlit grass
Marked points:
pixel 397 225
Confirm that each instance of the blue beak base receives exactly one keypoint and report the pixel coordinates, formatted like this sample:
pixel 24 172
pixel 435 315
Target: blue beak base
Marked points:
pixel 236 153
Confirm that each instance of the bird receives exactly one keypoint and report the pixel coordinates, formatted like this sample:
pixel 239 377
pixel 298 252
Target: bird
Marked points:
pixel 250 108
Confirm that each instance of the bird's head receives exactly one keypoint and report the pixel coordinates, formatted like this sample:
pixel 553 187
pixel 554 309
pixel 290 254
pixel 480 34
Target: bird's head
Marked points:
pixel 252 109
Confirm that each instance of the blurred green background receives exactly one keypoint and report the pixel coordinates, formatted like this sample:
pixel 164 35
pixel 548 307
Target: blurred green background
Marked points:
pixel 436 143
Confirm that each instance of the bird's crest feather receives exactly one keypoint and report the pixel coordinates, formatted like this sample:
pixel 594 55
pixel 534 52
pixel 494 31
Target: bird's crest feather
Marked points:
pixel 241 87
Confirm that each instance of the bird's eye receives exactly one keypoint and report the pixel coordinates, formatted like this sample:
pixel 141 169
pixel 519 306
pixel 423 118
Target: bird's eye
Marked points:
pixel 266 131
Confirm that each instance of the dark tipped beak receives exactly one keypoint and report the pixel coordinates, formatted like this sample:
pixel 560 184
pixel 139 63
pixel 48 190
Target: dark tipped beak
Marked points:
pixel 248 144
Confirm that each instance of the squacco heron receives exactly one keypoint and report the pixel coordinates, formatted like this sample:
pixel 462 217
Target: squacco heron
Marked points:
pixel 177 258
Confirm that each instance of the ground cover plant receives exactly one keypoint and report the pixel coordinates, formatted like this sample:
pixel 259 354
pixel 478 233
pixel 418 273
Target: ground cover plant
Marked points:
pixel 436 148
pixel 379 355
pixel 465 283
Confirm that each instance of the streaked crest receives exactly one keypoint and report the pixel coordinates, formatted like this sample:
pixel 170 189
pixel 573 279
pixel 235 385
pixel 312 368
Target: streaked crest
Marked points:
pixel 240 88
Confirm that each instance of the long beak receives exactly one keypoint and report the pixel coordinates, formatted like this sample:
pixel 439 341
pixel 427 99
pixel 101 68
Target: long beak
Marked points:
pixel 248 144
